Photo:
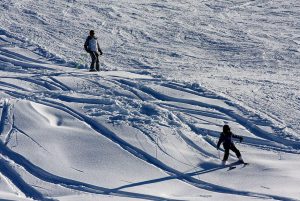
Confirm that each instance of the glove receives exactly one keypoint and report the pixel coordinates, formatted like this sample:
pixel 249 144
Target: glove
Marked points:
pixel 241 139
pixel 218 148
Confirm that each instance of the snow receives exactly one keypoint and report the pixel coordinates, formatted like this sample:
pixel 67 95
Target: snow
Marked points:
pixel 146 126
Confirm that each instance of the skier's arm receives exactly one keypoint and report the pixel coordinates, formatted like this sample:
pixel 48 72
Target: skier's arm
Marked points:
pixel 86 44
pixel 221 139
pixel 99 49
pixel 238 137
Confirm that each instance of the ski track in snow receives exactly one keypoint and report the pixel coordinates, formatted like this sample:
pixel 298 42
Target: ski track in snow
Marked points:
pixel 235 43
pixel 144 103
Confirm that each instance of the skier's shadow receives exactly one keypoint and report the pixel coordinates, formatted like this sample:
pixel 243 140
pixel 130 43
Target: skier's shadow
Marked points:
pixel 210 167
pixel 207 168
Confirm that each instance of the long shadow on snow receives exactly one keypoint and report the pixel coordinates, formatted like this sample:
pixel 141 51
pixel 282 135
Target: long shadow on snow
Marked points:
pixel 238 118
pixel 20 57
pixel 12 86
pixel 269 138
pixel 195 146
pixel 48 177
pixel 17 180
pixel 183 175
pixel 51 86
pixel 25 65
pixel 101 129
pixel 4 114
pixel 211 187
pixel 106 132
pixel 209 114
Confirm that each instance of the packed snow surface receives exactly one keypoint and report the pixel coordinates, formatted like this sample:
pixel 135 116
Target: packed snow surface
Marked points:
pixel 245 50
pixel 146 126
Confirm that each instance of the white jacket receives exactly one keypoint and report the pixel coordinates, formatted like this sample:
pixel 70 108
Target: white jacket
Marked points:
pixel 91 44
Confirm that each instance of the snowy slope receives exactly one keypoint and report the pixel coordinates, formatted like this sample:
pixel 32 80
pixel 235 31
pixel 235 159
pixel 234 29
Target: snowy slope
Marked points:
pixel 68 134
pixel 245 50
pixel 145 130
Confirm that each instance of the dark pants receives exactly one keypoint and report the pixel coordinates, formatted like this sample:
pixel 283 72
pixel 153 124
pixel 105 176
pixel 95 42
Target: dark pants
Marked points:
pixel 95 60
pixel 231 147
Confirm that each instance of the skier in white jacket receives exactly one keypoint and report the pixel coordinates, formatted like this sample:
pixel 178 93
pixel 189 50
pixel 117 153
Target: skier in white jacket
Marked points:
pixel 92 46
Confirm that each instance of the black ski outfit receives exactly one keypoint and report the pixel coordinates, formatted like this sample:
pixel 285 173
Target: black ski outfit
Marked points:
pixel 226 138
pixel 92 46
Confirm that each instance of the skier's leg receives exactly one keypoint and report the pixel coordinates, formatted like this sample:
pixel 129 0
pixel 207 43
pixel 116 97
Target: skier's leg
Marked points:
pixel 97 61
pixel 93 56
pixel 226 153
pixel 236 151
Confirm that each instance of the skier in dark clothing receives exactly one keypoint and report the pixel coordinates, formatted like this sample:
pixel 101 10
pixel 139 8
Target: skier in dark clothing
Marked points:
pixel 92 46
pixel 226 138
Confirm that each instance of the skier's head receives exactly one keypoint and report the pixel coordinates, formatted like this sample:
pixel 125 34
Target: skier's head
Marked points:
pixel 92 32
pixel 226 129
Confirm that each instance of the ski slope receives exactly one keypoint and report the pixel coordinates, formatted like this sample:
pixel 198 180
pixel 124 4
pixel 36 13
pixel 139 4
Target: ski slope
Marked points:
pixel 247 51
pixel 146 128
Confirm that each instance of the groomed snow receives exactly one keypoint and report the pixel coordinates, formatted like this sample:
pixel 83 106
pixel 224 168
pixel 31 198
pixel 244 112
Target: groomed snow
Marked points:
pixel 146 128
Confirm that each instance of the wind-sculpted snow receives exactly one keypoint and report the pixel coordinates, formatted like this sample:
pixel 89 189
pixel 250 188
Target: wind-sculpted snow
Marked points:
pixel 247 51
pixel 67 134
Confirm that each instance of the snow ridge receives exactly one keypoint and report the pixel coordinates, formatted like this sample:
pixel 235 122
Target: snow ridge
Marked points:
pixel 67 134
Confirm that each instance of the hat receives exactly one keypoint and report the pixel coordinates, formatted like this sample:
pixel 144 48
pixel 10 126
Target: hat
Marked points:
pixel 226 128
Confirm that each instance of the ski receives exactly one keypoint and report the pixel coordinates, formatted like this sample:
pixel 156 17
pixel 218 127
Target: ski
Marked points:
pixel 231 168
pixel 234 165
